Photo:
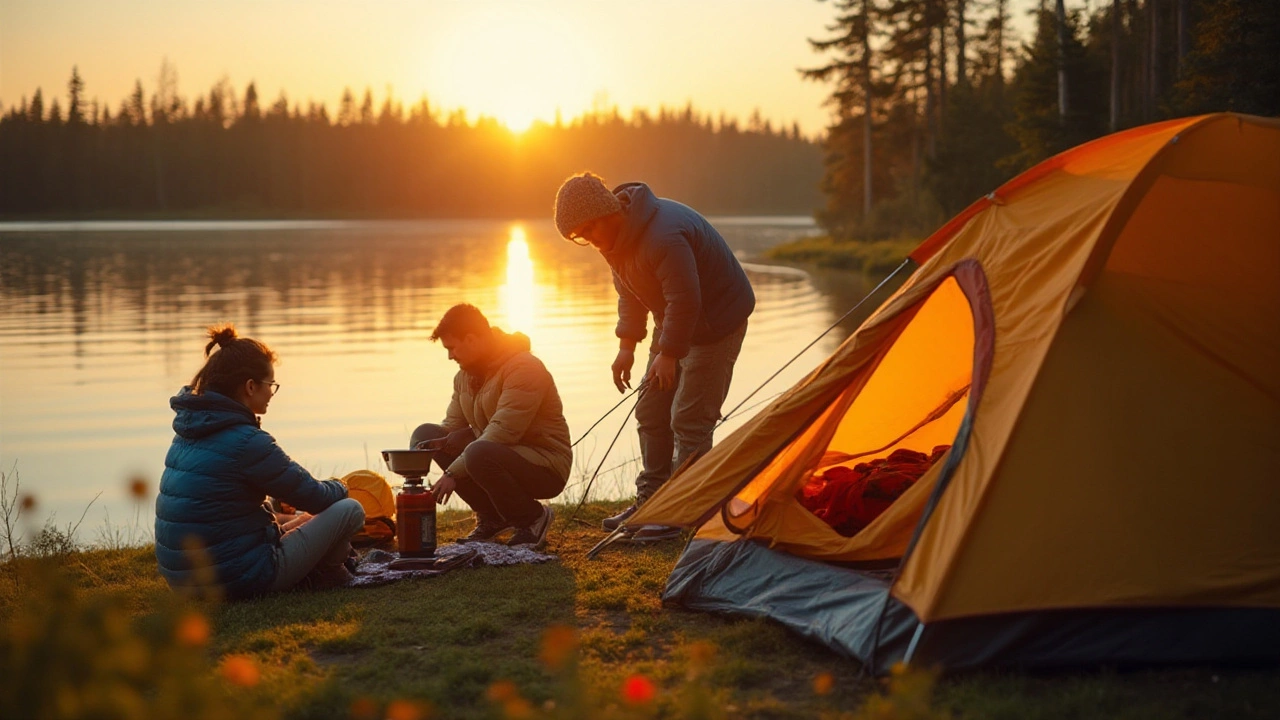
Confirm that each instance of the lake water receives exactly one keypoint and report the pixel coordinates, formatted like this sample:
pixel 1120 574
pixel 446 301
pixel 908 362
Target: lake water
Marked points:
pixel 100 323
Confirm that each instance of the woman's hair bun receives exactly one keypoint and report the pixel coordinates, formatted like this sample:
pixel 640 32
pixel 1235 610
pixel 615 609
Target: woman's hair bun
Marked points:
pixel 220 335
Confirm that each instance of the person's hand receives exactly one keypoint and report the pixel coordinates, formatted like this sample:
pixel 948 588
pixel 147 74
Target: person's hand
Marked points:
pixel 452 444
pixel 622 369
pixel 291 521
pixel 457 441
pixel 662 373
pixel 444 487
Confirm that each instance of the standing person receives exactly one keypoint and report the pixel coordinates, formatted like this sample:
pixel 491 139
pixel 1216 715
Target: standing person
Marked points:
pixel 504 442
pixel 218 473
pixel 669 261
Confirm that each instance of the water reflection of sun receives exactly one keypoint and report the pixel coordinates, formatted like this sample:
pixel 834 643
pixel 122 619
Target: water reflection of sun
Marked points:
pixel 516 296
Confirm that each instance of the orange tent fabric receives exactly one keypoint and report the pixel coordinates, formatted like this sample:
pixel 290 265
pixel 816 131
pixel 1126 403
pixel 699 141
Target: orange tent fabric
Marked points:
pixel 1100 338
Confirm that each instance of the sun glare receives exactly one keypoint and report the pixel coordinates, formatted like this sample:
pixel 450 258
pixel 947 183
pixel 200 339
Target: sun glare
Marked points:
pixel 515 64
pixel 517 294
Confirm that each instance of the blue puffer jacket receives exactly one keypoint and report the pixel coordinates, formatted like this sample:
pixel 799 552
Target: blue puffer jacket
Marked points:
pixel 219 470
pixel 670 261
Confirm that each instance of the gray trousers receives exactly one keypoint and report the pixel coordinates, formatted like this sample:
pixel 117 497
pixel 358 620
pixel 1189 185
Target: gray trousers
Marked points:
pixel 677 424
pixel 322 539
pixel 501 485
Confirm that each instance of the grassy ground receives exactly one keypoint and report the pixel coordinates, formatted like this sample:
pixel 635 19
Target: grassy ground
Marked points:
pixel 450 642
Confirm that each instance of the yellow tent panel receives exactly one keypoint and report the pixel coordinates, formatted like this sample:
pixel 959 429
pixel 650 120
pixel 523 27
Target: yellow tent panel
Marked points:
pixel 1099 342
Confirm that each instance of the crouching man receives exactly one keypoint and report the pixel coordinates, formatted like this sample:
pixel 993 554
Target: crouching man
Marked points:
pixel 504 442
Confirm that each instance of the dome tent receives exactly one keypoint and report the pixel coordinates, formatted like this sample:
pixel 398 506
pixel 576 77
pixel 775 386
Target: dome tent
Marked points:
pixel 1099 342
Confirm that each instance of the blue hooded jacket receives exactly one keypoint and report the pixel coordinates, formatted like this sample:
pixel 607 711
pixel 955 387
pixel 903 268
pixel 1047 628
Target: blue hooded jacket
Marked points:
pixel 218 472
pixel 670 261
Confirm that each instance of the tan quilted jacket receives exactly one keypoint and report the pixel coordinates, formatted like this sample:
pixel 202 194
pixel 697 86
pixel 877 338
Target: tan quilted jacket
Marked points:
pixel 515 404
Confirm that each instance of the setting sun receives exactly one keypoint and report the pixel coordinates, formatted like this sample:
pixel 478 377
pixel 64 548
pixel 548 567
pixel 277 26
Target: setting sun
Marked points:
pixel 515 64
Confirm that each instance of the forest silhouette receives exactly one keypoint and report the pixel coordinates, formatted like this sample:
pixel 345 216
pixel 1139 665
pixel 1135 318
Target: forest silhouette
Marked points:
pixel 934 103
pixel 226 153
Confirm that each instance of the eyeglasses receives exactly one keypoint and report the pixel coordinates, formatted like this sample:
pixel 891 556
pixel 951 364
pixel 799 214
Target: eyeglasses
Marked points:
pixel 275 386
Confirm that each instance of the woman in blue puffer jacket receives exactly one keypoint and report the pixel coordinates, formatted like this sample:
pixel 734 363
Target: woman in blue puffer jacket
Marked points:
pixel 218 473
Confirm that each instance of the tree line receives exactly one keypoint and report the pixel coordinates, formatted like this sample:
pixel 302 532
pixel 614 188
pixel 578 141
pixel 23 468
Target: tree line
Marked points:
pixel 230 153
pixel 936 103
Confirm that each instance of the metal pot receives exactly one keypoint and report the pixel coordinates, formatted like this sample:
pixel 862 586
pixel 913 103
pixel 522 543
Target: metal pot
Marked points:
pixel 409 463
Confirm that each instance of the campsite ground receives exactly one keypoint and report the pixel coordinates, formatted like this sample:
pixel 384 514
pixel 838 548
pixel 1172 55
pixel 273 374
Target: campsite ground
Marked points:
pixel 451 642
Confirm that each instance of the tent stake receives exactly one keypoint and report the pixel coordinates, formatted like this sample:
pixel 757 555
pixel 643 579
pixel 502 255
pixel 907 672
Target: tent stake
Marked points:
pixel 609 539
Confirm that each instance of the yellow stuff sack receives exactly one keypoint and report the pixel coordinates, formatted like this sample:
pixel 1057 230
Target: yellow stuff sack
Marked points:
pixel 374 494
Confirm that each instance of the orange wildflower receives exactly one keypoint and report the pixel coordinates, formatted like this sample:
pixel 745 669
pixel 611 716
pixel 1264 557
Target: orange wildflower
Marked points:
pixel 502 691
pixel 638 690
pixel 363 708
pixel 138 487
pixel 406 710
pixel 193 630
pixel 240 670
pixel 824 683
pixel 517 708
pixel 558 645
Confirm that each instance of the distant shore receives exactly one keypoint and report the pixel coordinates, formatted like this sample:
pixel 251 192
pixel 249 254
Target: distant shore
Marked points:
pixel 876 256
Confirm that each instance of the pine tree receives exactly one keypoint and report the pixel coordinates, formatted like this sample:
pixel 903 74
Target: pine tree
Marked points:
pixel 347 108
pixel 1039 127
pixel 134 109
pixel 366 108
pixel 75 98
pixel 850 159
pixel 252 111
pixel 36 111
pixel 992 47
pixel 973 143
pixel 1234 63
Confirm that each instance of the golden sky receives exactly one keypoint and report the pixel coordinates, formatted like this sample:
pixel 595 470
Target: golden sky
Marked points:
pixel 513 60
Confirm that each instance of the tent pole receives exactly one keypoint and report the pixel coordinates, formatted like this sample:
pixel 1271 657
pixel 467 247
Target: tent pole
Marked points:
pixel 911 647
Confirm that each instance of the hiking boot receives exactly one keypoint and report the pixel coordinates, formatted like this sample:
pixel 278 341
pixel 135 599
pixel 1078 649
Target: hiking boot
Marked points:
pixel 654 533
pixel 486 530
pixel 535 534
pixel 611 523
pixel 325 577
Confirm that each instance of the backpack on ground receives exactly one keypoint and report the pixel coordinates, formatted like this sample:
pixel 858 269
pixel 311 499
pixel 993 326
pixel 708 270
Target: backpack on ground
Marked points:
pixel 374 494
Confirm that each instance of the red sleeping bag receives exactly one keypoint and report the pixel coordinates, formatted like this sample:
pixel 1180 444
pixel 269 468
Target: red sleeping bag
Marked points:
pixel 848 499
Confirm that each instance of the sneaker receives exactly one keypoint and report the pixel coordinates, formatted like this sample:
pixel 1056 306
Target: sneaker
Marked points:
pixel 535 534
pixel 655 533
pixel 611 523
pixel 486 530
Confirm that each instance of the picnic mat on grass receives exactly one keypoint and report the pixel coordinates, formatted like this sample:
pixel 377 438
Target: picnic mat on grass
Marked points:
pixel 379 567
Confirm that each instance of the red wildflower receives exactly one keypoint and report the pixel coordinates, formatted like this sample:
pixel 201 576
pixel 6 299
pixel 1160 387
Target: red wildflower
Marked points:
pixel 638 690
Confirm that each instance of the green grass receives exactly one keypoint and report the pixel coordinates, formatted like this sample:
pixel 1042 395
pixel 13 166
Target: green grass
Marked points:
pixel 875 257
pixel 446 641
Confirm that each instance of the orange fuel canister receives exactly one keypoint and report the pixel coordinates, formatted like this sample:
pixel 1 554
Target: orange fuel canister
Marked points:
pixel 416 517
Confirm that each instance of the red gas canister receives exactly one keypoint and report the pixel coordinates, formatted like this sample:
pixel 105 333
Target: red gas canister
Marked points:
pixel 416 516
